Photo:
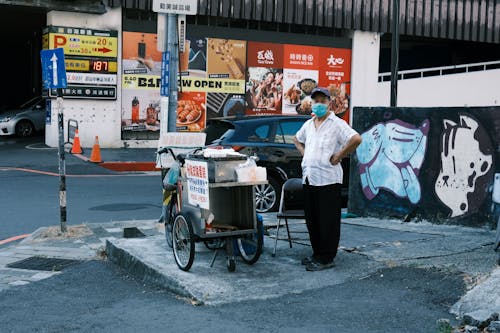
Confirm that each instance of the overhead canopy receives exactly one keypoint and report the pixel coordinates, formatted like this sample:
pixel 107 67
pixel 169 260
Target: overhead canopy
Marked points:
pixel 82 6
pixel 471 20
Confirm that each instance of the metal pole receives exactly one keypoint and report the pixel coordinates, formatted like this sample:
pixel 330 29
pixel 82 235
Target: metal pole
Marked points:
pixel 172 47
pixel 62 162
pixel 395 53
pixel 162 46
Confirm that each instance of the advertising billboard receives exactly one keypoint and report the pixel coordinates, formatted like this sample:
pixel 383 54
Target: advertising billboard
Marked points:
pixel 224 77
pixel 90 60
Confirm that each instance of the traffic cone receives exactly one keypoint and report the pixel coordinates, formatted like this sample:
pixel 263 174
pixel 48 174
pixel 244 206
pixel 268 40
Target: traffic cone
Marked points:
pixel 77 148
pixel 95 156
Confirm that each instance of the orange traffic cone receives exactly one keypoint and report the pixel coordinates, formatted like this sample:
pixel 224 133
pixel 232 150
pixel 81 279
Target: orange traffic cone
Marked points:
pixel 95 156
pixel 77 148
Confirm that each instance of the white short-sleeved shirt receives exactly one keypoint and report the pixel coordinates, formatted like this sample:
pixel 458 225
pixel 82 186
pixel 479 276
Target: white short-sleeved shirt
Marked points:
pixel 320 144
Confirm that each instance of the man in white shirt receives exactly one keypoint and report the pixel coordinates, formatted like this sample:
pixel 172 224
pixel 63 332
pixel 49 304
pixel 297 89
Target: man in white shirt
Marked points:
pixel 323 141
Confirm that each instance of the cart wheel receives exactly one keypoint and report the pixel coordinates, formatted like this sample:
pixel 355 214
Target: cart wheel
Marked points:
pixel 215 244
pixel 251 246
pixel 168 232
pixel 231 264
pixel 169 223
pixel 183 242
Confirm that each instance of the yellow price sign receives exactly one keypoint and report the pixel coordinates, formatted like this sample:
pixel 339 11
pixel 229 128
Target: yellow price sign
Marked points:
pixel 77 65
pixel 83 45
pixel 91 65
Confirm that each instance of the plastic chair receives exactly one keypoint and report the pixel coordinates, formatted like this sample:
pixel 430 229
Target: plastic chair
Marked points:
pixel 291 206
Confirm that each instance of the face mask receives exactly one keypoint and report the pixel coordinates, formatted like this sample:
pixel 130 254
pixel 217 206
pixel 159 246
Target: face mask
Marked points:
pixel 319 109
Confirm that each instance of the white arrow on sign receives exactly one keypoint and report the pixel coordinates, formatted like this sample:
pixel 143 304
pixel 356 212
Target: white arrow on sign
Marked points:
pixel 54 69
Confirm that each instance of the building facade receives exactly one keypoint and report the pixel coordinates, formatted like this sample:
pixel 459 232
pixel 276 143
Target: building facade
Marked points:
pixel 341 44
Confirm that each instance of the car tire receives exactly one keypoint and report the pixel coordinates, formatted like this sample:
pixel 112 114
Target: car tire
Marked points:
pixel 267 197
pixel 24 129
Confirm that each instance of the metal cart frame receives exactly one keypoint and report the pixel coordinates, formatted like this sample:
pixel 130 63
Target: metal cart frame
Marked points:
pixel 235 225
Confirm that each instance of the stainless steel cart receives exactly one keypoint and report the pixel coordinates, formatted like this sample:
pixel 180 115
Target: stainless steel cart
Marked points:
pixel 217 210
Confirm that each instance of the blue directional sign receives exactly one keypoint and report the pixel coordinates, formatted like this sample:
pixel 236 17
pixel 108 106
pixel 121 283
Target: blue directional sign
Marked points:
pixel 53 69
pixel 165 74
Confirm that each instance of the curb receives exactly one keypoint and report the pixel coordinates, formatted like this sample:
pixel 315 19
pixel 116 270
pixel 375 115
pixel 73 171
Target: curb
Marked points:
pixel 144 272
pixel 122 166
pixel 34 235
pixel 129 166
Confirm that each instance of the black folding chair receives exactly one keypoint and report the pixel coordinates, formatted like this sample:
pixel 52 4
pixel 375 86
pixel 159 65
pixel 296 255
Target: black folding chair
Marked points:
pixel 497 242
pixel 291 206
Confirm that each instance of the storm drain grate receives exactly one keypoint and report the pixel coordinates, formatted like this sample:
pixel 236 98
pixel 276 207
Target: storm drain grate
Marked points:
pixel 43 264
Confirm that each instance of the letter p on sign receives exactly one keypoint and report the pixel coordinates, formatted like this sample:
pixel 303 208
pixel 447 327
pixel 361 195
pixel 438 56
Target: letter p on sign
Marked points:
pixel 59 41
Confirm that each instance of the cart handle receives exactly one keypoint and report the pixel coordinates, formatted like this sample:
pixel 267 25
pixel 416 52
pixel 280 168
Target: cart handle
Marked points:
pixel 179 157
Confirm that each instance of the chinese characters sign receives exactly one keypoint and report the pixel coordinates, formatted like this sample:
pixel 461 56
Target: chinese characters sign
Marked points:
pixel 87 92
pixel 90 59
pixel 281 77
pixel 225 77
pixel 186 7
pixel 197 183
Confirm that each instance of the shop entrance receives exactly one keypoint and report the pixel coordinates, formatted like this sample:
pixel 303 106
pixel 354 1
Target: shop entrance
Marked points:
pixel 20 35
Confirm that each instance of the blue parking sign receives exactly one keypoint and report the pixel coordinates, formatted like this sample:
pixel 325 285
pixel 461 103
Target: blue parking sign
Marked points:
pixel 53 68
pixel 165 74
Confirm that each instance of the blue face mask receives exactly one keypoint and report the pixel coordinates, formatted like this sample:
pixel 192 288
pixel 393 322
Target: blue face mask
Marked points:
pixel 319 109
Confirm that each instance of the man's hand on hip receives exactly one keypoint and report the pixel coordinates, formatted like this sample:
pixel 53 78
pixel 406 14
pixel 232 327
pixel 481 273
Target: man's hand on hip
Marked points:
pixel 335 159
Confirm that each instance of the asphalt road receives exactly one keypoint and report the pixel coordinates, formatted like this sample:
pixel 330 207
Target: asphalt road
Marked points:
pixel 98 297
pixel 31 200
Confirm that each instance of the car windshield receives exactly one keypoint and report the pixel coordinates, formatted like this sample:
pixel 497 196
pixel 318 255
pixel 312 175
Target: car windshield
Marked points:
pixel 29 103
pixel 224 136
pixel 218 130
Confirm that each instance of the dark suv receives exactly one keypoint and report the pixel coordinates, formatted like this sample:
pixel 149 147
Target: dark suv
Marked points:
pixel 270 138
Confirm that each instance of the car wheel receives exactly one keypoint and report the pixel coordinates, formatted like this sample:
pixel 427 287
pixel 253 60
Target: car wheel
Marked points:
pixel 267 197
pixel 24 128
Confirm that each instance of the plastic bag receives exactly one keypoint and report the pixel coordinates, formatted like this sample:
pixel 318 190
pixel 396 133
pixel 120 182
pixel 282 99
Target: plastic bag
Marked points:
pixel 250 172
pixel 170 180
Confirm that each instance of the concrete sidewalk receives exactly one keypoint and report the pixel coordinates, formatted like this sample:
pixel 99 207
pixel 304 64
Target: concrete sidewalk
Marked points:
pixel 124 159
pixel 367 245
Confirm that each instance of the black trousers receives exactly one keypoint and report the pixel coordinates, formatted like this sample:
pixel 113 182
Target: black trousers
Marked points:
pixel 322 210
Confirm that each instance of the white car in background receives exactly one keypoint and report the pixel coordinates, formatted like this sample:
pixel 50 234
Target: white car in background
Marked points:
pixel 25 120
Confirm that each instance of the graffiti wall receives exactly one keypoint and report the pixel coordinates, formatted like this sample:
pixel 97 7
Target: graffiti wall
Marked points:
pixel 438 164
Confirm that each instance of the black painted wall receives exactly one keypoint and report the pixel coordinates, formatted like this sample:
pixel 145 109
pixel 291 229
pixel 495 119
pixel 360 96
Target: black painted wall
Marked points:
pixel 437 164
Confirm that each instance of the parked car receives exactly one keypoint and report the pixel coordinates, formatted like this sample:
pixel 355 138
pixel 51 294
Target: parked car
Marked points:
pixel 270 138
pixel 24 120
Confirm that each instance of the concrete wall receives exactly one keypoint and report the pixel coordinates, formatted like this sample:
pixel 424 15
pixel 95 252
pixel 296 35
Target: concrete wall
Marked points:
pixel 439 164
pixel 95 117
pixel 464 89
pixel 364 69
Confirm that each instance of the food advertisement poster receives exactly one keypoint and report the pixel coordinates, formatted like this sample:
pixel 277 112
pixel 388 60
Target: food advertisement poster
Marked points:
pixel 193 61
pixel 225 77
pixel 139 53
pixel 335 74
pixel 225 82
pixel 264 88
pixel 225 104
pixel 141 66
pixel 226 59
pixel 191 111
pixel 300 77
pixel 294 71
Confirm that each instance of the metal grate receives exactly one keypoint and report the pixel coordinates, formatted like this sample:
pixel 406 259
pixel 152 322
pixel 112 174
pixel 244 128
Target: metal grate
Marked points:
pixel 43 264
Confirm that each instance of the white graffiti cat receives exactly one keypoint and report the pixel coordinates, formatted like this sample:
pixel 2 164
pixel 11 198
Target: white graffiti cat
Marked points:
pixel 462 163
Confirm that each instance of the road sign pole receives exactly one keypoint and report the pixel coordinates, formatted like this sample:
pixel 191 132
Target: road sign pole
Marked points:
pixel 62 161
pixel 172 47
pixel 54 77
pixel 168 11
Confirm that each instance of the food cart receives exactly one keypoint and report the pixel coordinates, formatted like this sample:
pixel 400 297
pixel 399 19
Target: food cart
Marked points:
pixel 216 200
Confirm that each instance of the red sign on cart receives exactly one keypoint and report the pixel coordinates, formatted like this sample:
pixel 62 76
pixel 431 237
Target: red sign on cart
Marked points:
pixel 197 182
